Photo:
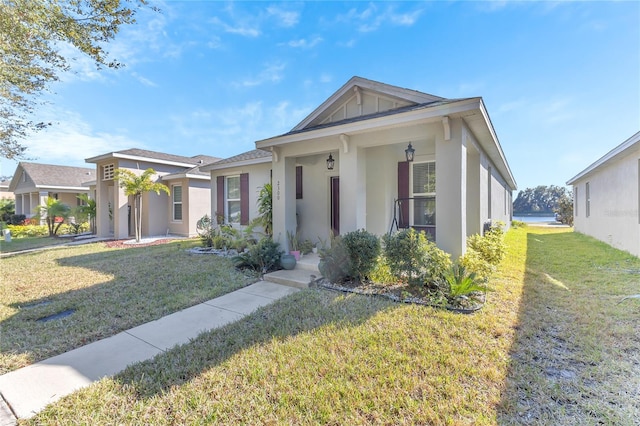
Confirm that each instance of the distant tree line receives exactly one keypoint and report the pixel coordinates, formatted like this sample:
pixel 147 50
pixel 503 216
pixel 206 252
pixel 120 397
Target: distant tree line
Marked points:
pixel 540 200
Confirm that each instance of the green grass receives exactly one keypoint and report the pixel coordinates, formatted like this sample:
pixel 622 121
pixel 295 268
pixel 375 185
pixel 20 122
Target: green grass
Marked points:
pixel 29 243
pixel 110 290
pixel 551 346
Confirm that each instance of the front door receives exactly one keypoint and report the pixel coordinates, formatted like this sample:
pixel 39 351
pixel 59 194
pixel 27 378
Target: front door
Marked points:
pixel 335 205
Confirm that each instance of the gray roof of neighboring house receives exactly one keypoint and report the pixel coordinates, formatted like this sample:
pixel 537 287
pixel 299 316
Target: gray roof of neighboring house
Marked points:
pixel 160 156
pixel 49 175
pixel 251 157
pixel 616 152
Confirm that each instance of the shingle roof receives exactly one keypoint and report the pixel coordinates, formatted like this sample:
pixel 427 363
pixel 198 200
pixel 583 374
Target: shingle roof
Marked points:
pixel 44 175
pixel 136 152
pixel 245 156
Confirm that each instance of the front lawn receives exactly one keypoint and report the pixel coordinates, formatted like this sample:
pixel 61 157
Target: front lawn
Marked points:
pixel 551 346
pixel 29 243
pixel 107 289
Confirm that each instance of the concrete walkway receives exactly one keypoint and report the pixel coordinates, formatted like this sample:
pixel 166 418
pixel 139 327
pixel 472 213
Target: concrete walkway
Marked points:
pixel 27 391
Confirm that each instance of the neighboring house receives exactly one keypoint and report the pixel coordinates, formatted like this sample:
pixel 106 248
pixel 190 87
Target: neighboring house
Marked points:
pixel 606 197
pixel 345 167
pixel 33 183
pixel 4 190
pixel 176 214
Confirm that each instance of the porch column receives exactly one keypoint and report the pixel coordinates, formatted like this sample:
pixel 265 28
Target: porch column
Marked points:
pixel 102 209
pixel 42 200
pixel 120 213
pixel 353 190
pixel 284 199
pixel 451 192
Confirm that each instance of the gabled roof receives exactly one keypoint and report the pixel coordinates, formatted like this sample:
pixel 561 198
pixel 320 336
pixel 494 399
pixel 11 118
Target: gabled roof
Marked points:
pixel 53 176
pixel 254 156
pixel 617 152
pixel 354 87
pixel 154 156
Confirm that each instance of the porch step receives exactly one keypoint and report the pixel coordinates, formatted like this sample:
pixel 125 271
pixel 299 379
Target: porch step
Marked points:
pixel 299 278
pixel 309 262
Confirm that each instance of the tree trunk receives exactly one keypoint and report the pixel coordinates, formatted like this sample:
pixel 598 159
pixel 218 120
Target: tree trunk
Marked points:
pixel 137 208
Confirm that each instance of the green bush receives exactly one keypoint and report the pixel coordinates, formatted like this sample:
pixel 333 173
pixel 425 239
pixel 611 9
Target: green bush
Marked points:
pixel 262 257
pixel 382 273
pixel 518 224
pixel 363 249
pixel 21 231
pixel 334 262
pixel 413 258
pixel 485 252
pixel 306 247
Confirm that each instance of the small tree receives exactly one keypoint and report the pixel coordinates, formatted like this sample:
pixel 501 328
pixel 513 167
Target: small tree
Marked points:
pixel 87 210
pixel 54 212
pixel 134 186
pixel 565 209
pixel 7 209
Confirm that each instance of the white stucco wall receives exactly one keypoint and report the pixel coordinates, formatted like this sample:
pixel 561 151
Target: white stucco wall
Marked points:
pixel 613 217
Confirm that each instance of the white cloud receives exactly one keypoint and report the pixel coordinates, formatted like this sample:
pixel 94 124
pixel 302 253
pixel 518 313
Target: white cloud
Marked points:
pixel 304 43
pixel 245 29
pixel 143 80
pixel 285 18
pixel 272 73
pixel 71 140
pixel 371 18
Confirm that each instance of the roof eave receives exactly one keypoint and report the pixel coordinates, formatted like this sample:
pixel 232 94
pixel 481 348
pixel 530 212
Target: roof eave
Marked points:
pixel 242 163
pixel 136 158
pixel 609 156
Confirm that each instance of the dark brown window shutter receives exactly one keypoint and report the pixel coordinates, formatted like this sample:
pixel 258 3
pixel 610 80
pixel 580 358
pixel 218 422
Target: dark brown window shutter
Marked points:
pixel 244 199
pixel 403 194
pixel 298 182
pixel 220 198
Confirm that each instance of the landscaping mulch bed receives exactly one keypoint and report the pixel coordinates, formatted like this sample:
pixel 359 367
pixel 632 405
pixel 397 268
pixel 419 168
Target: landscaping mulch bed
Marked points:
pixel 405 293
pixel 129 244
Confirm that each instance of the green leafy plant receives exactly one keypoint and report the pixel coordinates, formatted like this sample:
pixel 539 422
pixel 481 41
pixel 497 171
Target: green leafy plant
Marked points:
pixel 485 252
pixel 413 258
pixel 7 209
pixel 54 212
pixel 265 208
pixel 87 211
pixel 306 247
pixel 363 249
pixel 262 257
pixel 461 282
pixel 292 237
pixel 334 261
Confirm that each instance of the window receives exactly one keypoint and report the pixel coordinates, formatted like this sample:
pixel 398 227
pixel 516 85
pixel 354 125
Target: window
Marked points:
pixel 232 199
pixel 424 192
pixel 176 191
pixel 108 172
pixel 587 196
pixel 298 182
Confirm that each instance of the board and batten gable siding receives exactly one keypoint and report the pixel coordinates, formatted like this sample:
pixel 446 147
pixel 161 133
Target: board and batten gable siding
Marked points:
pixel 613 203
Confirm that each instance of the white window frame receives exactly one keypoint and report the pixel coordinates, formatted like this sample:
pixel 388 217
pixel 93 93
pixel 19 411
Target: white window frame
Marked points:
pixel 108 172
pixel 587 196
pixel 413 194
pixel 228 200
pixel 175 203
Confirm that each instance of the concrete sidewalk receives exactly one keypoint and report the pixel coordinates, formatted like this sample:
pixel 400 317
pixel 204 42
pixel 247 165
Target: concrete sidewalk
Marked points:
pixel 28 390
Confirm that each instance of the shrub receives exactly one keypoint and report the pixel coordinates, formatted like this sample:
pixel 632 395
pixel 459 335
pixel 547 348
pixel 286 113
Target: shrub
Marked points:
pixel 382 273
pixel 22 231
pixel 413 258
pixel 262 257
pixel 306 247
pixel 363 249
pixel 17 219
pixel 334 261
pixel 485 252
pixel 518 224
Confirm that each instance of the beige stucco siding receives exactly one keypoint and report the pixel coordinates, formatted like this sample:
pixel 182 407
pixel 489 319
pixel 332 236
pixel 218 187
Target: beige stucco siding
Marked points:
pixel 613 211
pixel 196 203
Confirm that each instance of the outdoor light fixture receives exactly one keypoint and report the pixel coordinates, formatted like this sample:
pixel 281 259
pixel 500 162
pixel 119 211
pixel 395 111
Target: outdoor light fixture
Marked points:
pixel 330 162
pixel 409 152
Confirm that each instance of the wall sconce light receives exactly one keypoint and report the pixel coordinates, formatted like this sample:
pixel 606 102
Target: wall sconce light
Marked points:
pixel 409 152
pixel 330 162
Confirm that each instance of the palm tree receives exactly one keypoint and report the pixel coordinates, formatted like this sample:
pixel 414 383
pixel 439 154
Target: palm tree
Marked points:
pixel 88 209
pixel 54 212
pixel 134 186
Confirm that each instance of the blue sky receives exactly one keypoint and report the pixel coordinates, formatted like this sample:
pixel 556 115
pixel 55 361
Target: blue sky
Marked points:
pixel 561 80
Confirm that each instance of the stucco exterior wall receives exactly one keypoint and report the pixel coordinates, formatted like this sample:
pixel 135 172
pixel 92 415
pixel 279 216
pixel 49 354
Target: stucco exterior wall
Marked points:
pixel 613 205
pixel 259 174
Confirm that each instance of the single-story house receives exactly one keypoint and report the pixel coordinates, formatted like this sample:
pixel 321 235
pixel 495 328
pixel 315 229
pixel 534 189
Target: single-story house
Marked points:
pixel 176 214
pixel 33 183
pixel 377 157
pixel 606 197
pixel 4 190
